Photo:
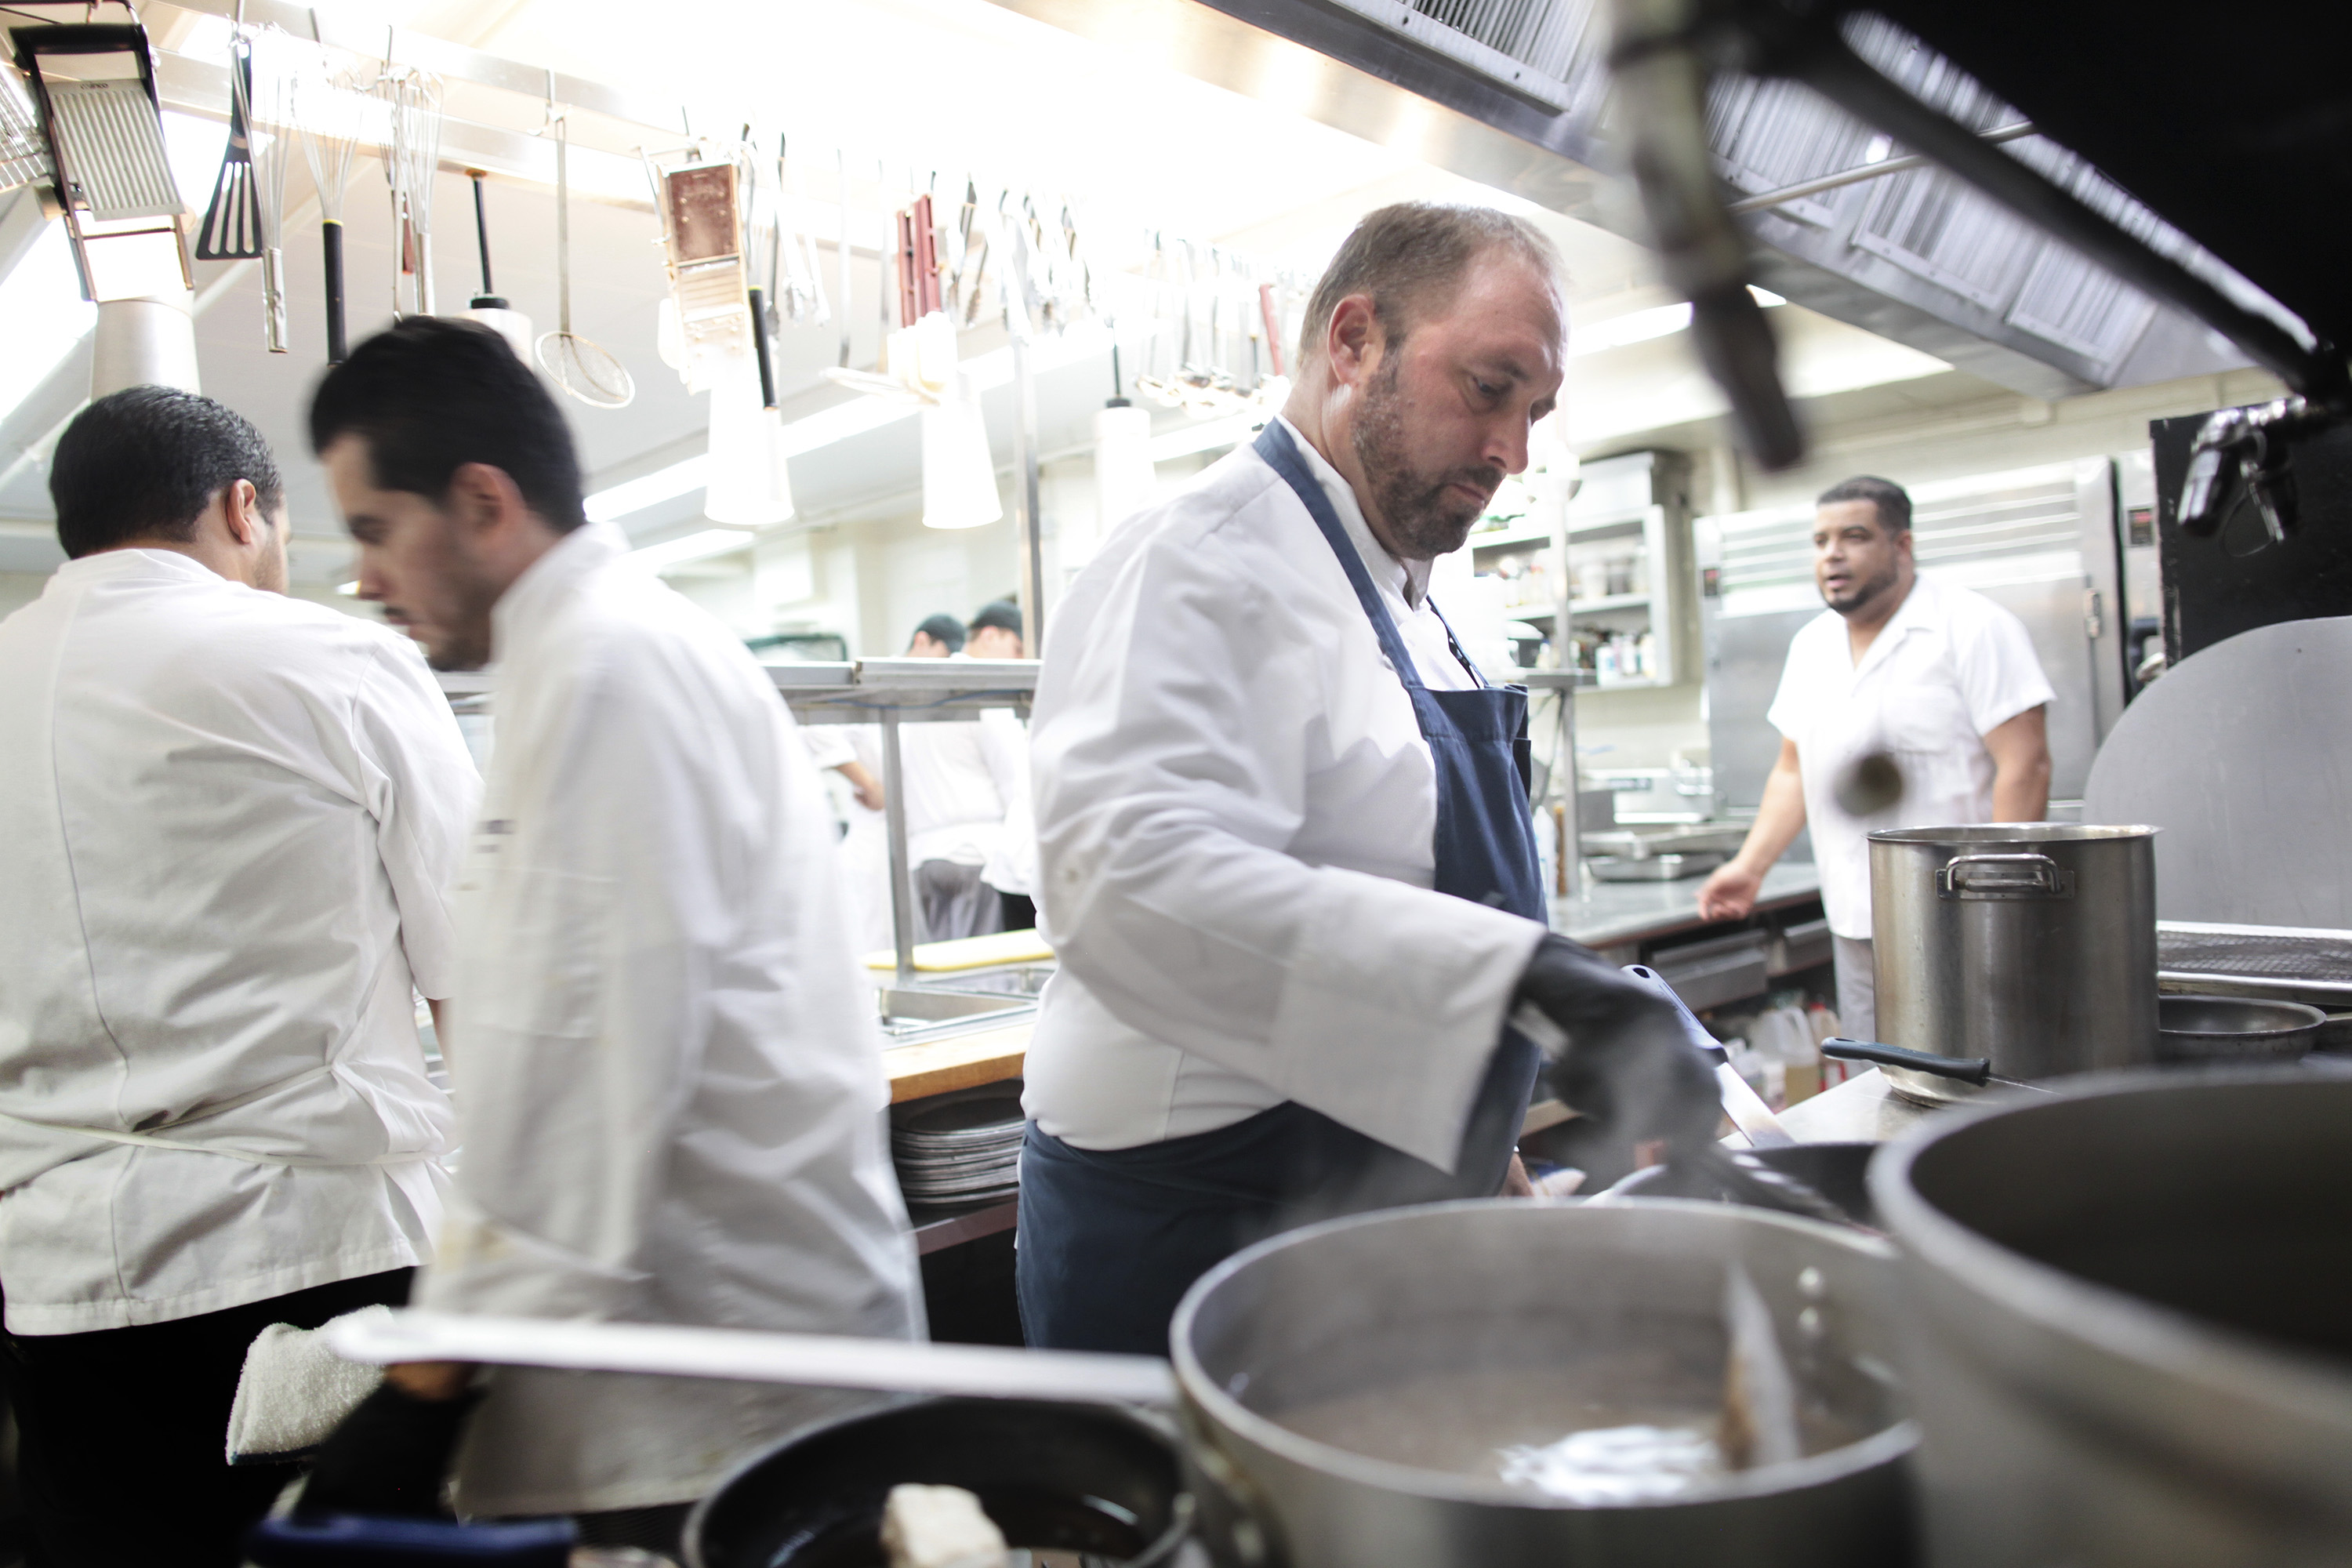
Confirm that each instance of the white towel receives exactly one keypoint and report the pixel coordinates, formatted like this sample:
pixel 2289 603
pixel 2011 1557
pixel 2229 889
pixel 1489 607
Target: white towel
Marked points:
pixel 294 1391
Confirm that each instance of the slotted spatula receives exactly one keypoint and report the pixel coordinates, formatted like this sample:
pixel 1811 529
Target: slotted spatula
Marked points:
pixel 233 227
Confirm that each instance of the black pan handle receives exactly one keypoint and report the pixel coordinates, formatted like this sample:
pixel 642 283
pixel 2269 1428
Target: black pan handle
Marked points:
pixel 1967 1070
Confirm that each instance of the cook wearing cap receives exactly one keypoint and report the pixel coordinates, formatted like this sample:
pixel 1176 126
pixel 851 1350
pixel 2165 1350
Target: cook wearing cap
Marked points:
pixel 1285 853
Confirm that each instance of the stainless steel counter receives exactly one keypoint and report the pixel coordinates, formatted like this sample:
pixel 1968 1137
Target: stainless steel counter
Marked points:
pixel 1610 914
pixel 1858 1111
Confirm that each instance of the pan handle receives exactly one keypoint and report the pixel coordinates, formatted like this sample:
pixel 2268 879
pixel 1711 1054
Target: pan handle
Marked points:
pixel 1967 1070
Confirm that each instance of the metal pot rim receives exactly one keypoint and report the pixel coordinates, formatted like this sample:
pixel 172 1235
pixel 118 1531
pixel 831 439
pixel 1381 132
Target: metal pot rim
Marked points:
pixel 2016 833
pixel 1883 1447
pixel 2303 1027
pixel 2188 1348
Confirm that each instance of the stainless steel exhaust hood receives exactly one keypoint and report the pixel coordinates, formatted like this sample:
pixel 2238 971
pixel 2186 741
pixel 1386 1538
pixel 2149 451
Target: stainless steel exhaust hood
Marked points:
pixel 1916 255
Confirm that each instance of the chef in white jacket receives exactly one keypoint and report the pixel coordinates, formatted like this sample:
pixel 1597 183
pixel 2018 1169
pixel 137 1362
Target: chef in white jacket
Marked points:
pixel 668 1075
pixel 1285 853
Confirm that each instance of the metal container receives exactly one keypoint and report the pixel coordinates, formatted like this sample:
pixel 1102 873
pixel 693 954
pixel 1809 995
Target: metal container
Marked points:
pixel 2126 1331
pixel 2033 944
pixel 1395 1306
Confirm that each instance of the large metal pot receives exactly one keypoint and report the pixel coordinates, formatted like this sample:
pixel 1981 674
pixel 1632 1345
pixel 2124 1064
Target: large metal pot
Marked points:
pixel 1396 1309
pixel 2128 1322
pixel 2033 944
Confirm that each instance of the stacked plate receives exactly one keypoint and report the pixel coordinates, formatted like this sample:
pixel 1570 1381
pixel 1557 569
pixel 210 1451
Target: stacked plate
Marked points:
pixel 959 1148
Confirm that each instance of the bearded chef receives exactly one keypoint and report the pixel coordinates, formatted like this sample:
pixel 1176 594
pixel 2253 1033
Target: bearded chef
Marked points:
pixel 1283 822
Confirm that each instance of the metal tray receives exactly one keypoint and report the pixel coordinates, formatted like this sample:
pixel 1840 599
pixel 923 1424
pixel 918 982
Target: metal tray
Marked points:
pixel 1655 868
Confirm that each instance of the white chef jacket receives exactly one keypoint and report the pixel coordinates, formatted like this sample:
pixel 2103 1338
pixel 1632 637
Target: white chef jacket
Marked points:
pixel 1948 669
pixel 1235 820
pixel 232 819
pixel 669 1082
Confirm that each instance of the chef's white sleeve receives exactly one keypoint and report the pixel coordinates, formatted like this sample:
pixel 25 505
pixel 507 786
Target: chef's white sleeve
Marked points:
pixel 1999 677
pixel 574 1067
pixel 420 785
pixel 1172 744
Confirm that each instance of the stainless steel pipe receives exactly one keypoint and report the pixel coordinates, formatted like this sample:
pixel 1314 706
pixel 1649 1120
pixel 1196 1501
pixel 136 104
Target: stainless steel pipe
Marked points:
pixel 2032 944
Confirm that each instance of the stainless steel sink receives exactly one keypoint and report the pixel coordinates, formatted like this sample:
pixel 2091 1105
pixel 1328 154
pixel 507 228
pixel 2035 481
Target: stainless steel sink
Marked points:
pixel 921 1012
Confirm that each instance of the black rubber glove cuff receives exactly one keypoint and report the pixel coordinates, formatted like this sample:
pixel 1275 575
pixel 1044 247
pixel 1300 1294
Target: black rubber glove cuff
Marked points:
pixel 1628 1063
pixel 388 1458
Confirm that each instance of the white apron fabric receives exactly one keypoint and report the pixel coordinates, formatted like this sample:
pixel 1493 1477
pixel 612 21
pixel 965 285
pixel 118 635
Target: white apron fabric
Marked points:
pixel 668 1075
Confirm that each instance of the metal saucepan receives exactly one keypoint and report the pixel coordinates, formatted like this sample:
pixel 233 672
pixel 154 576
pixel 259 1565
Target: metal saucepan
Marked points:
pixel 1066 1477
pixel 2234 1028
pixel 1364 1376
pixel 2125 1321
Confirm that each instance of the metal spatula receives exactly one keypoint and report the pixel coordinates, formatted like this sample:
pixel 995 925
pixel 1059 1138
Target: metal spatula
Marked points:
pixel 233 227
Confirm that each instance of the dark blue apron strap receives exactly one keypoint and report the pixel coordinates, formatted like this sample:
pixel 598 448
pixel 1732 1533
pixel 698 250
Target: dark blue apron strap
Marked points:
pixel 1453 646
pixel 1281 453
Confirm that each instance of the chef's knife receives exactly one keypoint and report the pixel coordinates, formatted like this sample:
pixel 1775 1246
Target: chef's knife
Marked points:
pixel 1740 1101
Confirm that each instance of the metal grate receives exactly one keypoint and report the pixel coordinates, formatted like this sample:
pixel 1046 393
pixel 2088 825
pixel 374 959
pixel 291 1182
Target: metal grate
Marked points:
pixel 1550 50
pixel 114 143
pixel 1773 135
pixel 2270 956
pixel 24 156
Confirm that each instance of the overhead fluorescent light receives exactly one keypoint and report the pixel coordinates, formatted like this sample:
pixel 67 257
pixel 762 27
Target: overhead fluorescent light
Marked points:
pixel 1641 326
pixel 47 318
pixel 692 547
pixel 350 589
pixel 649 489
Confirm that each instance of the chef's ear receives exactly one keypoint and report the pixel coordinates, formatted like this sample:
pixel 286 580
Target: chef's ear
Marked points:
pixel 484 499
pixel 241 512
pixel 1351 337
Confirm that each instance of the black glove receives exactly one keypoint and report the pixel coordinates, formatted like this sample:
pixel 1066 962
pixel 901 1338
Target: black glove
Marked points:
pixel 388 1458
pixel 1628 1062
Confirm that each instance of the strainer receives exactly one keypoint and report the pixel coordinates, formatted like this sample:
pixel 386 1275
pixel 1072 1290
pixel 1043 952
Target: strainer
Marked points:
pixel 581 366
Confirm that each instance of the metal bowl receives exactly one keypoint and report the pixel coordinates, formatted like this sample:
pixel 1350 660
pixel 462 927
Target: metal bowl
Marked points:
pixel 2234 1028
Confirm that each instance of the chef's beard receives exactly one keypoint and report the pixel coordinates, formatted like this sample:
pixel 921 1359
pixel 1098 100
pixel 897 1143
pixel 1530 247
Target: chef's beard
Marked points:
pixel 1424 519
pixel 1860 596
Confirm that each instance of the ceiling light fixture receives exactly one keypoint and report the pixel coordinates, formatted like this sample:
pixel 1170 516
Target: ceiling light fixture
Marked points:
pixel 1644 326
pixel 349 590
pixel 692 547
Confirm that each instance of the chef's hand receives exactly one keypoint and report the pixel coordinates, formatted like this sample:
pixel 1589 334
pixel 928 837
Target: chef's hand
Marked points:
pixel 388 1456
pixel 1730 893
pixel 1515 1180
pixel 1621 1055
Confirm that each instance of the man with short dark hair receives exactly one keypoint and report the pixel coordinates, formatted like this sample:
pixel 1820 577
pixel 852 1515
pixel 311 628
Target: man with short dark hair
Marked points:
pixel 232 819
pixel 668 1078
pixel 939 636
pixel 996 631
pixel 1941 679
pixel 1287 863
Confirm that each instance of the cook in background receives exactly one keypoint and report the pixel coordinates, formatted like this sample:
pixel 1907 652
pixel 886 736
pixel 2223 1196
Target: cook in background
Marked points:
pixel 669 1083
pixel 232 818
pixel 965 781
pixel 1012 867
pixel 1286 856
pixel 1937 678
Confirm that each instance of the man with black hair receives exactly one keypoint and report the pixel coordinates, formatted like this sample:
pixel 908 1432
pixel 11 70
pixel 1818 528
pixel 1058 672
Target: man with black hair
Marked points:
pixel 1939 678
pixel 668 1078
pixel 232 819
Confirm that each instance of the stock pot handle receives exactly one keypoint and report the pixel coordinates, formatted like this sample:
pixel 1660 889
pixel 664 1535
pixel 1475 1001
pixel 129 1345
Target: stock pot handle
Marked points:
pixel 2003 877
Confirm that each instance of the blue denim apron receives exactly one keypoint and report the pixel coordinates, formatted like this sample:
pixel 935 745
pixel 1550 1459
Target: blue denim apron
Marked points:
pixel 1112 1240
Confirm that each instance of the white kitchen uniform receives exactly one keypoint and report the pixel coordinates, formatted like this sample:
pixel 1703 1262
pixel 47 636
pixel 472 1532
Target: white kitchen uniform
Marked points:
pixel 1948 668
pixel 668 1076
pixel 1237 817
pixel 232 820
